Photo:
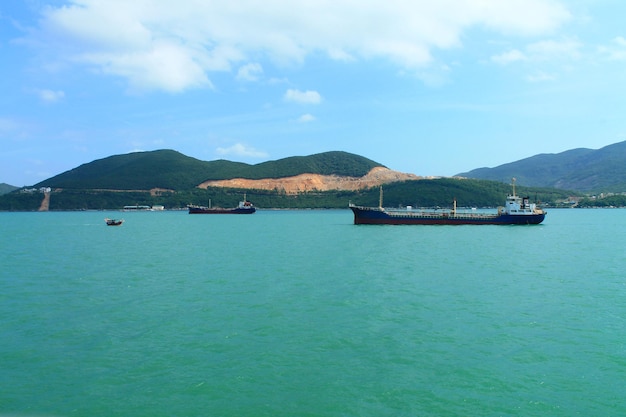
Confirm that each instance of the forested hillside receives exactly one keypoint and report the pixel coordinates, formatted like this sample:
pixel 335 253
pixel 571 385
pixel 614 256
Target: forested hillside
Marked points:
pixel 417 193
pixel 171 179
pixel 6 188
pixel 584 170
pixel 172 170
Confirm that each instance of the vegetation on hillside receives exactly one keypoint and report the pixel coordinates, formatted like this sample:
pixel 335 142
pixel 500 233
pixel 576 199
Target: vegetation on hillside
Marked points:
pixel 606 202
pixel 421 193
pixel 117 181
pixel 17 201
pixel 172 170
pixel 584 170
pixel 6 188
pixel 327 163
pixel 442 192
pixel 134 171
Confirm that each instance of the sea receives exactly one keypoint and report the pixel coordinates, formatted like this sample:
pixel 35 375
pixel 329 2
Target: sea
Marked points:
pixel 303 313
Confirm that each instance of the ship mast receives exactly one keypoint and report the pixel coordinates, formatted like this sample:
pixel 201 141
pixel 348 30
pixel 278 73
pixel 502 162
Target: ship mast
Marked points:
pixel 513 184
pixel 380 198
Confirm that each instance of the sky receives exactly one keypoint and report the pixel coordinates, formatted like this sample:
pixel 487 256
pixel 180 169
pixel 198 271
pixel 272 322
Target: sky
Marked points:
pixel 433 88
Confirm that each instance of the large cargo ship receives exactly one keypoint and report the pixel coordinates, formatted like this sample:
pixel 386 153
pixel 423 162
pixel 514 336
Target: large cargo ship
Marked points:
pixel 244 207
pixel 516 210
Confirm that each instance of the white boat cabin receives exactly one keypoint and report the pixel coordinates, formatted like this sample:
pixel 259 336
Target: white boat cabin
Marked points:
pixel 520 206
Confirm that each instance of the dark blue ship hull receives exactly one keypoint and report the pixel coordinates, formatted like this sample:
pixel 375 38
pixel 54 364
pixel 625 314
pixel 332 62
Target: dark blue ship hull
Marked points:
pixel 367 215
pixel 208 210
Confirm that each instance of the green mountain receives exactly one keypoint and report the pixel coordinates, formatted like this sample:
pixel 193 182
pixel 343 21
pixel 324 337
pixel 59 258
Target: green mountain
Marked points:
pixel 422 193
pixel 172 170
pixel 113 182
pixel 6 188
pixel 584 170
pixel 119 180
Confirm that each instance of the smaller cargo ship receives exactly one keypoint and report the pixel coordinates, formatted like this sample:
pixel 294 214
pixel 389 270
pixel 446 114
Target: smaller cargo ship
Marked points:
pixel 244 207
pixel 516 210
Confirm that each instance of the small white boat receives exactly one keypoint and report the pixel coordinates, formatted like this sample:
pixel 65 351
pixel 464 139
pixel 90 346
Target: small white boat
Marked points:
pixel 114 222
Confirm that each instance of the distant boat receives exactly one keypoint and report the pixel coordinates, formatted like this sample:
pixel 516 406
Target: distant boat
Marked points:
pixel 114 222
pixel 137 208
pixel 244 207
pixel 517 210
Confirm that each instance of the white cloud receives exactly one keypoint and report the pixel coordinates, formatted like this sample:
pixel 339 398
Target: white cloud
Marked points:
pixel 547 50
pixel 306 118
pixel 7 125
pixel 241 150
pixel 173 46
pixel 540 77
pixel 551 49
pixel 303 97
pixel 519 17
pixel 514 55
pixel 275 81
pixel 620 41
pixel 50 96
pixel 340 55
pixel 616 51
pixel 166 66
pixel 250 72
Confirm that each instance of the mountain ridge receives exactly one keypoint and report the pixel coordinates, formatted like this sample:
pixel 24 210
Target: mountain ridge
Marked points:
pixel 579 169
pixel 169 169
pixel 327 180
pixel 6 188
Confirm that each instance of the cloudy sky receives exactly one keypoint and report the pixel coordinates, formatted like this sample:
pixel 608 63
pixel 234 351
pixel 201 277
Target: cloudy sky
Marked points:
pixel 421 86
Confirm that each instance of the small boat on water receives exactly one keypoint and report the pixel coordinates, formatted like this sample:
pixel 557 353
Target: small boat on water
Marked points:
pixel 517 210
pixel 114 222
pixel 244 207
pixel 137 208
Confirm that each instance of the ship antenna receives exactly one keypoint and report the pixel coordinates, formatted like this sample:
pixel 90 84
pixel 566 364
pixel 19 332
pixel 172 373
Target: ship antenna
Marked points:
pixel 380 198
pixel 513 180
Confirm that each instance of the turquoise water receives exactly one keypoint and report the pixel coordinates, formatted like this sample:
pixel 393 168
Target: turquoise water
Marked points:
pixel 301 313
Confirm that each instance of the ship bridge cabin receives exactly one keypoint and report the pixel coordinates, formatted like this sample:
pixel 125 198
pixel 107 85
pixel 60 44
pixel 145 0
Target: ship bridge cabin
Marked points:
pixel 520 205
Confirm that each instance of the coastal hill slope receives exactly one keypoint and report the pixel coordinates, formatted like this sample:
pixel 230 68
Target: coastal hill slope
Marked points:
pixel 6 188
pixel 584 170
pixel 326 180
pixel 316 182
pixel 171 170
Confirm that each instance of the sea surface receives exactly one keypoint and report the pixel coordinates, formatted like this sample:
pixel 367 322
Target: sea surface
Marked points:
pixel 302 313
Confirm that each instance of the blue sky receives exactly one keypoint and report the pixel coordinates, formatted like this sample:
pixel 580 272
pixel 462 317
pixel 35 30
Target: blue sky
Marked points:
pixel 424 87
